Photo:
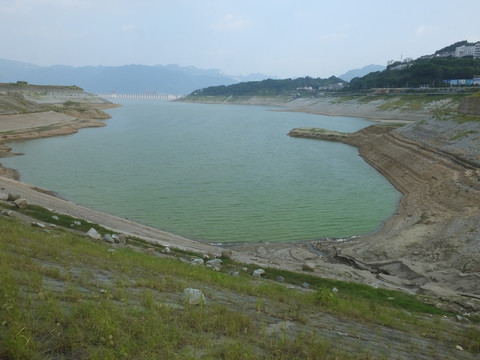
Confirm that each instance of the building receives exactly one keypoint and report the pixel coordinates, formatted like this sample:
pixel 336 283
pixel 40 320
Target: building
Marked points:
pixel 464 50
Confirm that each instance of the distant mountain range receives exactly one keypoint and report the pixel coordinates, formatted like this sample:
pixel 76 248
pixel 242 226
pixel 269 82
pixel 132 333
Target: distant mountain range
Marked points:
pixel 349 75
pixel 166 79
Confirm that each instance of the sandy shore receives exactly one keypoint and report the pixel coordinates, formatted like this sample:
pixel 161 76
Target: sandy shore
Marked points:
pixel 430 246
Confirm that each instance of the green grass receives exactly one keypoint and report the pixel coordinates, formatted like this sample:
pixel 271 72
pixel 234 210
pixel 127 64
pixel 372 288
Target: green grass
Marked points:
pixel 65 296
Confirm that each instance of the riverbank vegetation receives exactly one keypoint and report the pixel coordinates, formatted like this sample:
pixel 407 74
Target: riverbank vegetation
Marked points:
pixel 64 296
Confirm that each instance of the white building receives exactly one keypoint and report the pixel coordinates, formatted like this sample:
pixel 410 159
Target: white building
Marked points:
pixel 464 50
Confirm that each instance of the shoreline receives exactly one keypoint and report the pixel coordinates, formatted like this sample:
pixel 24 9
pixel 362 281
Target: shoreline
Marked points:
pixel 382 258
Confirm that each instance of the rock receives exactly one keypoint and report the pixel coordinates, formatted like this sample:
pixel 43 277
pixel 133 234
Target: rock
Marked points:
pixel 235 273
pixel 7 212
pixel 306 285
pixel 280 278
pixel 38 225
pixel 150 251
pixel 334 290
pixel 193 297
pixel 93 234
pixel 55 217
pixel 227 254
pixel 21 203
pixel 116 238
pixel 77 223
pixel 213 262
pixel 197 261
pixel 108 238
pixel 122 238
pixel 12 197
pixel 262 252
pixel 258 273
pixel 166 250
pixel 308 266
pixel 458 347
pixel 436 290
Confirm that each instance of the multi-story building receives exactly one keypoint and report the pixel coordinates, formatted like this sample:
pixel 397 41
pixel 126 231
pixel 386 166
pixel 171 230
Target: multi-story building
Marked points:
pixel 464 50
pixel 476 53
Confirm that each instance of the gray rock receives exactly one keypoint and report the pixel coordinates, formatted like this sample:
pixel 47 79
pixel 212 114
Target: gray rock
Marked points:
pixel 93 234
pixel 77 223
pixel 150 251
pixel 213 262
pixel 226 254
pixel 12 197
pixel 335 290
pixel 21 203
pixel 193 297
pixel 55 217
pixel 116 238
pixel 262 252
pixel 280 278
pixel 197 261
pixel 308 266
pixel 108 238
pixel 38 225
pixel 306 285
pixel 7 212
pixel 122 239
pixel 235 273
pixel 258 273
pixel 166 250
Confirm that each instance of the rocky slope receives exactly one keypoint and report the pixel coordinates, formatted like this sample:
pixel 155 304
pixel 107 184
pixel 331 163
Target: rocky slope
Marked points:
pixel 32 111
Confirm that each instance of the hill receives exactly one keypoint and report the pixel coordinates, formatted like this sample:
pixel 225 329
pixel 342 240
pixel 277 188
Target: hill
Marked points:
pixel 167 79
pixel 349 75
pixel 271 87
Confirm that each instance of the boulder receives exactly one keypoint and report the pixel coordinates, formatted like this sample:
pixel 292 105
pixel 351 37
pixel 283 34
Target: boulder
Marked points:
pixel 93 234
pixel 55 217
pixel 38 225
pixel 108 238
pixel 7 212
pixel 262 252
pixel 227 254
pixel 258 273
pixel 122 238
pixel 197 261
pixel 214 264
pixel 13 197
pixel 21 203
pixel 308 266
pixel 150 251
pixel 193 297
pixel 166 250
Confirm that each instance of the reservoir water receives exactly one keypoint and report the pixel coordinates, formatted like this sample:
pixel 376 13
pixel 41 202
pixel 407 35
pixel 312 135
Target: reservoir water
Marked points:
pixel 217 173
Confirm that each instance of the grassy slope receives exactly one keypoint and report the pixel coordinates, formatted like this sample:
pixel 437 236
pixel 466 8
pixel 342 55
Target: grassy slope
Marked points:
pixel 64 296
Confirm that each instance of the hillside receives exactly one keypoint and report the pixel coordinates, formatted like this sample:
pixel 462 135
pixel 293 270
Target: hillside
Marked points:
pixel 71 297
pixel 32 111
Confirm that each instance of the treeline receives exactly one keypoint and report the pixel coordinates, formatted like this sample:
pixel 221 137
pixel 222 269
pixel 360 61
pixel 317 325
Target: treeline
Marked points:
pixel 270 87
pixel 421 72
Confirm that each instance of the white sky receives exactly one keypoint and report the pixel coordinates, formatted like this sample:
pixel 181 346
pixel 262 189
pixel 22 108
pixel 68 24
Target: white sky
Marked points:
pixel 283 38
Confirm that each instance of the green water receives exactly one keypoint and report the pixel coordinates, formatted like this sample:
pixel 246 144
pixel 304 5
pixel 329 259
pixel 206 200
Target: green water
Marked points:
pixel 218 173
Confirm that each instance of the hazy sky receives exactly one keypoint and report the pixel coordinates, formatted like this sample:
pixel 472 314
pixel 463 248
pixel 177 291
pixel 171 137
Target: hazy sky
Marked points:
pixel 275 37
